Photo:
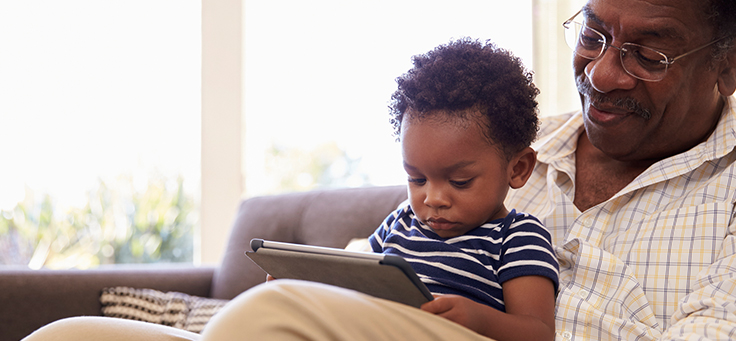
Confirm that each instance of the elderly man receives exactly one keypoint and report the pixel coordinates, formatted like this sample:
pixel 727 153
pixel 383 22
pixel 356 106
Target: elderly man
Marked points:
pixel 638 191
pixel 640 202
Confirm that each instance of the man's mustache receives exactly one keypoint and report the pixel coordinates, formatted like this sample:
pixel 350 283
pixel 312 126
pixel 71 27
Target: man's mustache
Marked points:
pixel 627 103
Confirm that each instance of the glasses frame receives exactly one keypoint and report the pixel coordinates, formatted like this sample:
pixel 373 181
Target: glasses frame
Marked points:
pixel 667 61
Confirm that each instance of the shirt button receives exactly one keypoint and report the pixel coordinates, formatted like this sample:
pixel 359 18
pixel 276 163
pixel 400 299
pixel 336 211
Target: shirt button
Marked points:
pixel 583 294
pixel 588 222
pixel 567 335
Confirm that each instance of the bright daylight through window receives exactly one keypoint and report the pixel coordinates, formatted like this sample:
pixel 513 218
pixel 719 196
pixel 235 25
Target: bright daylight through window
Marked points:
pixel 100 109
pixel 319 76
pixel 101 104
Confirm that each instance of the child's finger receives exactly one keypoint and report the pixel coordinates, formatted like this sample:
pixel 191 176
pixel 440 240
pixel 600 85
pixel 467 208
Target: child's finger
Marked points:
pixel 437 306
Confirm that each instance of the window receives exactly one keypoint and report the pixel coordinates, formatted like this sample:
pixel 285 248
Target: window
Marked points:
pixel 102 99
pixel 100 109
pixel 319 76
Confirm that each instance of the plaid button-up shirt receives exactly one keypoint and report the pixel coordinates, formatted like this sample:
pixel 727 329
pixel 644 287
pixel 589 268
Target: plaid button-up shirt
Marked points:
pixel 658 259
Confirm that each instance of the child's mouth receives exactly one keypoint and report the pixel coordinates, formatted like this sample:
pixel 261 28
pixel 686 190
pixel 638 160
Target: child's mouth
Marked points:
pixel 440 224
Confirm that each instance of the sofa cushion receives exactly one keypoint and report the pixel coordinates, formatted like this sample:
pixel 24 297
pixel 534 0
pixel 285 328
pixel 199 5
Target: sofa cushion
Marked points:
pixel 322 217
pixel 173 309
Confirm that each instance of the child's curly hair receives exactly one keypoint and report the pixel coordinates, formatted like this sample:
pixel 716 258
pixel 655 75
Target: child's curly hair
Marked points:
pixel 466 75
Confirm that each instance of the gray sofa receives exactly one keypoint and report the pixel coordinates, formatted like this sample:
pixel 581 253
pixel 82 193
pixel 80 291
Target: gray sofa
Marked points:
pixel 30 299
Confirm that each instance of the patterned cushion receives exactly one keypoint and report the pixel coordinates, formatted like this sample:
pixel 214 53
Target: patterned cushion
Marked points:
pixel 173 309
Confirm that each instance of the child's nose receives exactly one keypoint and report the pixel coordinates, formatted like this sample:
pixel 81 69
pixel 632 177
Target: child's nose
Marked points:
pixel 436 197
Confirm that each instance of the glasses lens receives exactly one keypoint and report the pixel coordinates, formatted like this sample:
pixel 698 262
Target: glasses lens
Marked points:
pixel 583 40
pixel 643 62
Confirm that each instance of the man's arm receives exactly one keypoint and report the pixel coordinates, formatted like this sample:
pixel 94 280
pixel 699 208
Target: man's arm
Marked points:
pixel 709 311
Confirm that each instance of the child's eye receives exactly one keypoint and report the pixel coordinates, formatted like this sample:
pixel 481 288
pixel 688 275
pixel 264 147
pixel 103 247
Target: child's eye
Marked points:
pixel 461 184
pixel 417 181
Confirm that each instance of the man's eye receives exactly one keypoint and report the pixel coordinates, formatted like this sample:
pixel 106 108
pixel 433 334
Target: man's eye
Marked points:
pixel 648 58
pixel 589 39
pixel 417 181
pixel 590 42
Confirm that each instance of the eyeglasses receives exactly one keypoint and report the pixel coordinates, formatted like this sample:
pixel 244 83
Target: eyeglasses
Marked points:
pixel 638 61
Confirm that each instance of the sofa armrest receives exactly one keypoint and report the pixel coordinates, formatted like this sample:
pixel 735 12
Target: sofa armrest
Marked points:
pixel 33 298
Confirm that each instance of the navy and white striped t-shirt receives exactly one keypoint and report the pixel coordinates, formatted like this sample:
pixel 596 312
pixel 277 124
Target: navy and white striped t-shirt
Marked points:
pixel 473 265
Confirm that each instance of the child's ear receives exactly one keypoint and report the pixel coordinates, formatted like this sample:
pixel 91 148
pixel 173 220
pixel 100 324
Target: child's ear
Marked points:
pixel 521 167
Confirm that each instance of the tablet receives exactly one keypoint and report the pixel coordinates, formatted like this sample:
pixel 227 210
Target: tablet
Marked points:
pixel 380 275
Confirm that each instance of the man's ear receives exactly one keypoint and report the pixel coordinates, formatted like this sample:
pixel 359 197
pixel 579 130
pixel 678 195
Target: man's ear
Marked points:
pixel 727 77
pixel 521 167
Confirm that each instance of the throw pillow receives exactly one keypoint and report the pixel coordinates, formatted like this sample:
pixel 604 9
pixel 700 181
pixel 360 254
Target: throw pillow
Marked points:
pixel 173 309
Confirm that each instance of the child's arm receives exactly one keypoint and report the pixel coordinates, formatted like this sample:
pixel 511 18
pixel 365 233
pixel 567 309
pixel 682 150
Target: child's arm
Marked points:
pixel 530 309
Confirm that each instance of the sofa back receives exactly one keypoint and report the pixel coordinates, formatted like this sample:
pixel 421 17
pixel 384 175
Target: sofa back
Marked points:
pixel 321 217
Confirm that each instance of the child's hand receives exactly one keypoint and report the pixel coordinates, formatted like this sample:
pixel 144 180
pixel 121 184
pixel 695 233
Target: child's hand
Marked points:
pixel 530 308
pixel 461 310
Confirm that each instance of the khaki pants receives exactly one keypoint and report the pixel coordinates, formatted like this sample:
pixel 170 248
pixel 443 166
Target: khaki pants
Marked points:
pixel 108 329
pixel 282 310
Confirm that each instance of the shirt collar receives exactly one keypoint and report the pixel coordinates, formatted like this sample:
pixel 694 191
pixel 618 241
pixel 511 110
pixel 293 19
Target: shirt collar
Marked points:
pixel 723 139
pixel 562 141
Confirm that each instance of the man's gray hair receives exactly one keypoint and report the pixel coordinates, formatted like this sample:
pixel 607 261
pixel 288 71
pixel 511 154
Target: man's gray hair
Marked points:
pixel 722 15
